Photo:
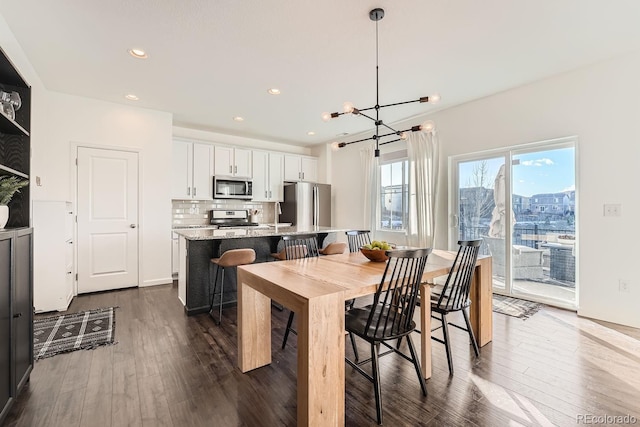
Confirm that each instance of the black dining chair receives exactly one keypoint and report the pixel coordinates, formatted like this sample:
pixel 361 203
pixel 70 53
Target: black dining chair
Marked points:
pixel 296 247
pixel 357 238
pixel 390 317
pixel 454 296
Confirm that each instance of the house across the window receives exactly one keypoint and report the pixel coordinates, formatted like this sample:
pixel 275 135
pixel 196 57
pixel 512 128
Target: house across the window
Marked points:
pixel 394 195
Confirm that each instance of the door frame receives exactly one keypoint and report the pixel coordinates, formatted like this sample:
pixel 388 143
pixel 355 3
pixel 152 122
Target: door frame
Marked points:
pixel 73 191
pixel 508 153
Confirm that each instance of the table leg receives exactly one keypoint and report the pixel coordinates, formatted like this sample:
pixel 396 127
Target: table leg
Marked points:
pixel 481 295
pixel 321 341
pixel 254 325
pixel 425 327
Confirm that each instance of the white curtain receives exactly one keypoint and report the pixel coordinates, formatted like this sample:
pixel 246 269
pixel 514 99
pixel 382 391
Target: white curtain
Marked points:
pixel 422 150
pixel 371 183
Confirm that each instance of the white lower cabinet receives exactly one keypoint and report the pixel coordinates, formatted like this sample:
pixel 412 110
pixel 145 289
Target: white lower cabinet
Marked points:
pixel 53 266
pixel 175 256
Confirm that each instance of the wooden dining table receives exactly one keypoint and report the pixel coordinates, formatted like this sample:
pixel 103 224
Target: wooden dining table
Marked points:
pixel 316 289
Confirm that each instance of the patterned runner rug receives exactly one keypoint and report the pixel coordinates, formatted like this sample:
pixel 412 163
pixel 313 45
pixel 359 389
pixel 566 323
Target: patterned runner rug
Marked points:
pixel 515 307
pixel 70 332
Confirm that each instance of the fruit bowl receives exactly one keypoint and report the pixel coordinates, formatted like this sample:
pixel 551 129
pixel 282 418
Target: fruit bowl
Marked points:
pixel 376 255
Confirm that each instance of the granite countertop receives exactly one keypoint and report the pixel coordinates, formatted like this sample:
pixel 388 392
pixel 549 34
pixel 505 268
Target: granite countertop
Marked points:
pixel 239 233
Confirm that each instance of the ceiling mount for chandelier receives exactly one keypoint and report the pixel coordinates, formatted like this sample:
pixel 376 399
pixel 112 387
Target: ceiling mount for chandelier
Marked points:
pixel 348 108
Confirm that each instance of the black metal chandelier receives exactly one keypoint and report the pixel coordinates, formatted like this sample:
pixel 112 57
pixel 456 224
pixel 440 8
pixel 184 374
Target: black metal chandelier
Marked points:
pixel 348 108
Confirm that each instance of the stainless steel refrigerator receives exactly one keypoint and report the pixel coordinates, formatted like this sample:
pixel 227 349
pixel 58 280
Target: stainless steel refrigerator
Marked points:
pixel 307 204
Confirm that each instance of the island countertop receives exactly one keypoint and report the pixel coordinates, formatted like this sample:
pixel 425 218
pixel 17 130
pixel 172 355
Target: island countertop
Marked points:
pixel 239 233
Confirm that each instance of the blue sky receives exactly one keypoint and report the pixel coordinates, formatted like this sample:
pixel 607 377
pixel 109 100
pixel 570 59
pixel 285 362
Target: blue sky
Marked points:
pixel 546 171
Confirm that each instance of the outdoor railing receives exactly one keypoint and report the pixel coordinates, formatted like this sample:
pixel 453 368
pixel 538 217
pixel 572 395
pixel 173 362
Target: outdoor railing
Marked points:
pixel 469 233
pixel 560 259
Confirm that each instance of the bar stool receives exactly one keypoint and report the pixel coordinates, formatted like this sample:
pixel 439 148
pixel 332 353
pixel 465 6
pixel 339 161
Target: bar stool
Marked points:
pixel 231 258
pixel 333 248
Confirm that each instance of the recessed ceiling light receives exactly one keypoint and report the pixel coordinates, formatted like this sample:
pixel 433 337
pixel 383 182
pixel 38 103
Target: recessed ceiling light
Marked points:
pixel 274 91
pixel 343 134
pixel 131 97
pixel 311 133
pixel 138 53
pixel 238 119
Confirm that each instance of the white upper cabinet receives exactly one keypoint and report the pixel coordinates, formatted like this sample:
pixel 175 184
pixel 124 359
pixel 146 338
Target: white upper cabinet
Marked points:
pixel 230 161
pixel 267 177
pixel 300 168
pixel 192 171
pixel 276 177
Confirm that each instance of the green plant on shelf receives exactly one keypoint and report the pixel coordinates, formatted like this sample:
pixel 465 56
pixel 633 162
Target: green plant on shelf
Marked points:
pixel 9 186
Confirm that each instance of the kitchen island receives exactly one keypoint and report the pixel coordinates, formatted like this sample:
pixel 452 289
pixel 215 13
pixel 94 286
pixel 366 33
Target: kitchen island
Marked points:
pixel 197 247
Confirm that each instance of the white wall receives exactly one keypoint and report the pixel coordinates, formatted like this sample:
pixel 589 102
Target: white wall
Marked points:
pixel 221 138
pixel 64 121
pixel 58 121
pixel 599 104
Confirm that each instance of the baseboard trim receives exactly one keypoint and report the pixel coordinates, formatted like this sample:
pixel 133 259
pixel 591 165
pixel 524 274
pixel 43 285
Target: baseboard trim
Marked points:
pixel 157 282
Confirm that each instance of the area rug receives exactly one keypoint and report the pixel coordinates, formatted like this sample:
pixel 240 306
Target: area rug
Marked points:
pixel 70 332
pixel 515 307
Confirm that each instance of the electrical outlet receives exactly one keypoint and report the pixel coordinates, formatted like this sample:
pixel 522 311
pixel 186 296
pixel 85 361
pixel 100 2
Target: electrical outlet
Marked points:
pixel 612 210
pixel 623 286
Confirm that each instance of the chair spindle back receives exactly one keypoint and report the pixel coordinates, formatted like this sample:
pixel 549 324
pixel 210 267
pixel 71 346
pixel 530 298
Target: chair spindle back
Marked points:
pixel 455 292
pixel 395 299
pixel 300 246
pixel 357 238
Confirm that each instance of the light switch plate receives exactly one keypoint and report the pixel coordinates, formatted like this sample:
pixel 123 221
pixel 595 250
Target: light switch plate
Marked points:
pixel 612 210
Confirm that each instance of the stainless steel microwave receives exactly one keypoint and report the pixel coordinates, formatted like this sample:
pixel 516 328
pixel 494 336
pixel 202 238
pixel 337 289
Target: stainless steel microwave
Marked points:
pixel 232 188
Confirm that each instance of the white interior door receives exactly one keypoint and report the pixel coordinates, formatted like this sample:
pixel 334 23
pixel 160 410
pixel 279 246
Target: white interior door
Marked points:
pixel 107 219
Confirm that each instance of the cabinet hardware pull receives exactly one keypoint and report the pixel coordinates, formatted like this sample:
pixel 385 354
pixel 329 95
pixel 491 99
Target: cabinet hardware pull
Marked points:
pixel 235 169
pixel 188 191
pixel 230 169
pixel 15 316
pixel 132 226
pixel 194 191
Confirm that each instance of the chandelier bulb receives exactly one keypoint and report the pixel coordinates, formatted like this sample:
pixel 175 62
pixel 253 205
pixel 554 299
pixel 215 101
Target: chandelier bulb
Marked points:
pixel 347 107
pixel 434 99
pixel 326 116
pixel 428 126
pixel 335 146
pixel 403 135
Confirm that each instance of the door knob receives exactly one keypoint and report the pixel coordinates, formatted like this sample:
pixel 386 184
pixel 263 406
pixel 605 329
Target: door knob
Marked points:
pixel 132 226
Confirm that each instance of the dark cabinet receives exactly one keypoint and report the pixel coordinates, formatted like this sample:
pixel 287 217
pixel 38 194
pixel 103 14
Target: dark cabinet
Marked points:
pixel 16 270
pixel 22 307
pixel 6 240
pixel 16 314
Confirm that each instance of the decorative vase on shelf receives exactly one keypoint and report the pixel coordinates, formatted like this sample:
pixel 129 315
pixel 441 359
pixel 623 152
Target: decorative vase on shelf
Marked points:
pixel 4 215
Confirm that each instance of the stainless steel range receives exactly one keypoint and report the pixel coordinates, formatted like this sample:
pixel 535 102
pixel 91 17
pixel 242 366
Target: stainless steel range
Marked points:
pixel 230 218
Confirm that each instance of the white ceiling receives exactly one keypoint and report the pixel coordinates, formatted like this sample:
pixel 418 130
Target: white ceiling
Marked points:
pixel 212 60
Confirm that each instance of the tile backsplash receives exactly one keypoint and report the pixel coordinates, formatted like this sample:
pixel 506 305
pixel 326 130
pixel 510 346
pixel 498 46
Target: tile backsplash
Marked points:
pixel 196 212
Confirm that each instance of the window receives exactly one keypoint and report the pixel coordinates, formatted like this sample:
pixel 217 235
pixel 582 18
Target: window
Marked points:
pixel 394 195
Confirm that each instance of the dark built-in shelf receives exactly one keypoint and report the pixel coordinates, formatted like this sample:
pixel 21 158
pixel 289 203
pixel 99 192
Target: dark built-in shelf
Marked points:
pixel 11 127
pixel 15 144
pixel 8 171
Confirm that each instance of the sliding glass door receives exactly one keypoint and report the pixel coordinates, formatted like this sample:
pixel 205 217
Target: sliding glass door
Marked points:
pixel 524 199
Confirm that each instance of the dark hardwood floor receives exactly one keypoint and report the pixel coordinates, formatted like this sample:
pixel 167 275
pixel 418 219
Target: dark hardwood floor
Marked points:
pixel 168 369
